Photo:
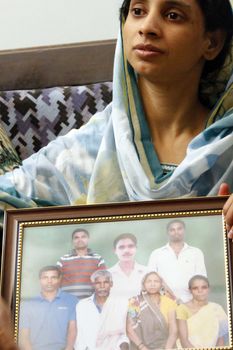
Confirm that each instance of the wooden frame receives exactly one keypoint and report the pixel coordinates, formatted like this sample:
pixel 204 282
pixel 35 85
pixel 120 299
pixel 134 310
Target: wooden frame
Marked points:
pixel 202 216
pixel 58 65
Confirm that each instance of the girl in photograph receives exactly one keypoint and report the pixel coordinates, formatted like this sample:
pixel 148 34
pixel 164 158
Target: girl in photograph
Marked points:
pixel 151 320
pixel 167 132
pixel 201 324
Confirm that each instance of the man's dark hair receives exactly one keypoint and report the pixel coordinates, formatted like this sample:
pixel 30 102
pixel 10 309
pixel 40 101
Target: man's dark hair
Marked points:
pixel 50 268
pixel 80 230
pixel 124 236
pixel 217 16
pixel 175 221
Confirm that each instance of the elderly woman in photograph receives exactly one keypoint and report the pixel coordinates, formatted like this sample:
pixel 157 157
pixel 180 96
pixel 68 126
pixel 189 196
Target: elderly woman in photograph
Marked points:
pixel 201 324
pixel 151 320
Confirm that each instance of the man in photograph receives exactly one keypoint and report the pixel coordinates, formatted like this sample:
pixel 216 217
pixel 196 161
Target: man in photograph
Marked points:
pixel 127 273
pixel 48 321
pixel 177 262
pixel 77 266
pixel 89 310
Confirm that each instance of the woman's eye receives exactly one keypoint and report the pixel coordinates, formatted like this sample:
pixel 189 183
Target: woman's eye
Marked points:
pixel 174 16
pixel 137 11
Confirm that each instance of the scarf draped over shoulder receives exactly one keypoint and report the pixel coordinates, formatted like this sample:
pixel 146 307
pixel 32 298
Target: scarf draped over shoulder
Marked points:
pixel 112 158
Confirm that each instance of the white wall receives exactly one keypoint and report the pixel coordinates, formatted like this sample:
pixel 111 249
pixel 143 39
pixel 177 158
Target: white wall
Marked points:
pixel 29 23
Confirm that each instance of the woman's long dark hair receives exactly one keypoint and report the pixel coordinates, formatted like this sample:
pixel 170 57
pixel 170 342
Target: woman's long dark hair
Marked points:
pixel 218 16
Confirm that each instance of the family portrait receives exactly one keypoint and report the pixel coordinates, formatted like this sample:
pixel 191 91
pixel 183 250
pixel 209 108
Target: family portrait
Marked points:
pixel 128 284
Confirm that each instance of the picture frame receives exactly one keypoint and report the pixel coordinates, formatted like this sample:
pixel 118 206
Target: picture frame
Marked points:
pixel 38 237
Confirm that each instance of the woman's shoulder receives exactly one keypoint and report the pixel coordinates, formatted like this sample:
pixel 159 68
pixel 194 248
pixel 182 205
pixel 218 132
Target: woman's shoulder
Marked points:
pixel 217 308
pixel 170 303
pixel 183 312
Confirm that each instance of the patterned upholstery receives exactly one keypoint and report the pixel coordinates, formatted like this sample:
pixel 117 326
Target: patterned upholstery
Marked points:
pixel 32 118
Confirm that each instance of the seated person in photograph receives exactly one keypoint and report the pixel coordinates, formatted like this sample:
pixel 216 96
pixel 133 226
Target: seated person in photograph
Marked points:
pixel 177 262
pixel 167 132
pixel 77 266
pixel 201 324
pixel 88 311
pixel 48 321
pixel 6 333
pixel 151 320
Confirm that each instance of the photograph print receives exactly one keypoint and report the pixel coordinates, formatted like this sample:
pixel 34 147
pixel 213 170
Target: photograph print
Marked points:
pixel 157 283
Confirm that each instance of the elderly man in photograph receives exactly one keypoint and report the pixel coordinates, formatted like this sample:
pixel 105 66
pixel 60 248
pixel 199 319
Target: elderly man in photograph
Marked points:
pixel 48 321
pixel 127 276
pixel 177 262
pixel 89 310
pixel 78 265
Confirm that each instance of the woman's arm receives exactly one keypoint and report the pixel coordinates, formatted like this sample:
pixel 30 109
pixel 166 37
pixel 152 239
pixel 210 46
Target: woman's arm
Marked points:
pixel 133 336
pixel 183 334
pixel 172 326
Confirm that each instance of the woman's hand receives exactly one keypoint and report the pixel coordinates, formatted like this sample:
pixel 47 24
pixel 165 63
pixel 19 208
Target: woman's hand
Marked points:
pixel 228 208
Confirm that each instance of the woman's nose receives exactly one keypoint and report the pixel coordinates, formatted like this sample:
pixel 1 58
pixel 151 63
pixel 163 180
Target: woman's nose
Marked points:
pixel 150 25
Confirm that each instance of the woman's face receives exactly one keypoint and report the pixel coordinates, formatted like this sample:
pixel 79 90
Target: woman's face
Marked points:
pixel 200 290
pixel 152 284
pixel 166 39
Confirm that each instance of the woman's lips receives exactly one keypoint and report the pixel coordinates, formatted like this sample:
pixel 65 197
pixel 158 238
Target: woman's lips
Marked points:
pixel 147 51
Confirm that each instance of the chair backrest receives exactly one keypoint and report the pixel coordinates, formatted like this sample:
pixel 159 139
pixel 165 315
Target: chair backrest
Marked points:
pixel 46 92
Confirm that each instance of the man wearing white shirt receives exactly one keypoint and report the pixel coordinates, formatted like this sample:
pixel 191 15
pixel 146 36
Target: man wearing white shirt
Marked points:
pixel 177 262
pixel 88 311
pixel 127 274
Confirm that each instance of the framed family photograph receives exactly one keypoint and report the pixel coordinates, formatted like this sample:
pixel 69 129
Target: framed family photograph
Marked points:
pixel 144 275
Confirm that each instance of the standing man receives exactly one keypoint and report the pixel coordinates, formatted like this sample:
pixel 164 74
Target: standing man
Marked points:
pixel 177 262
pixel 48 321
pixel 79 265
pixel 88 311
pixel 127 274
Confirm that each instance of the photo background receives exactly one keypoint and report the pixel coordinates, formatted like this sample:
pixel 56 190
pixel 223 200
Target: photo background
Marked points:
pixel 43 245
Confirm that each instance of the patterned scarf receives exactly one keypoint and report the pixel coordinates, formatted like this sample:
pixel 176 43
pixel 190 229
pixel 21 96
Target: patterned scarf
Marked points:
pixel 112 158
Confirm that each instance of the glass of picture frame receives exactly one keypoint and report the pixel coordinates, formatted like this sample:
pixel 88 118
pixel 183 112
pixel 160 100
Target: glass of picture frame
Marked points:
pixel 36 238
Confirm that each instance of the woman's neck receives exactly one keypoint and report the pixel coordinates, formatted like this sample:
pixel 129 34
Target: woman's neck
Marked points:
pixel 174 115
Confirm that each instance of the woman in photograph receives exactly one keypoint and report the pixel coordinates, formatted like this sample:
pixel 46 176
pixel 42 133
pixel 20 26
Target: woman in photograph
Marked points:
pixel 201 324
pixel 167 132
pixel 151 320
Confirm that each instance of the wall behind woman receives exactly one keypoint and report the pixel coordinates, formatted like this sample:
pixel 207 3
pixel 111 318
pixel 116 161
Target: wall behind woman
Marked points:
pixel 27 23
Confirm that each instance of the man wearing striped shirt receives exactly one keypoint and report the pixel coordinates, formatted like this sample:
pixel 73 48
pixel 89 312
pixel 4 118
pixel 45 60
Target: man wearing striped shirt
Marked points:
pixel 79 265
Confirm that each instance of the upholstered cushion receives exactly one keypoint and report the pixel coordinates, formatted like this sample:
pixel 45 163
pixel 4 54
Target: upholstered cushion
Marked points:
pixel 32 118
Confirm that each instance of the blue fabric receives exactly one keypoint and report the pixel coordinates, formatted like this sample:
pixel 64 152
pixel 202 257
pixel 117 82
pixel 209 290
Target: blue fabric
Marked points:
pixel 48 321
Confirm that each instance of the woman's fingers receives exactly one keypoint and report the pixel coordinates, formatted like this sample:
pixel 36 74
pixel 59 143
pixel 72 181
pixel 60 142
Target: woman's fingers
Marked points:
pixel 228 208
pixel 228 215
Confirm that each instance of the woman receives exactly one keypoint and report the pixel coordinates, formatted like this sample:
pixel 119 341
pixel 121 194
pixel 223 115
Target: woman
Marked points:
pixel 201 324
pixel 168 131
pixel 151 321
